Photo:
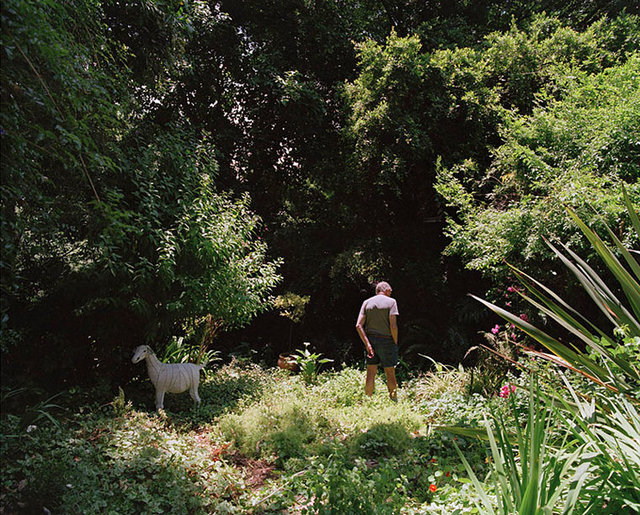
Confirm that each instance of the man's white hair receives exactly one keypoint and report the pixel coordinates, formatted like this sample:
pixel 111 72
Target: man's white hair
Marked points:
pixel 382 286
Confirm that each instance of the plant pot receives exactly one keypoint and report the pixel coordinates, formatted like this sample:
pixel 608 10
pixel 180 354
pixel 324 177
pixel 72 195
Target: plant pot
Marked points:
pixel 287 362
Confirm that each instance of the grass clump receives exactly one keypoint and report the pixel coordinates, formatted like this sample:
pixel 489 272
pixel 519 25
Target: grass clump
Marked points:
pixel 383 440
pixel 294 420
pixel 270 430
pixel 342 486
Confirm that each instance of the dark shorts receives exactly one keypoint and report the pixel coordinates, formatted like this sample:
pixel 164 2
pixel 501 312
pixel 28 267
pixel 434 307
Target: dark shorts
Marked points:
pixel 385 351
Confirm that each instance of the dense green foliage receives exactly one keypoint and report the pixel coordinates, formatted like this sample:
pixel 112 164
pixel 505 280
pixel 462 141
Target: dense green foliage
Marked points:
pixel 114 229
pixel 573 149
pixel 596 462
pixel 168 167
pixel 152 150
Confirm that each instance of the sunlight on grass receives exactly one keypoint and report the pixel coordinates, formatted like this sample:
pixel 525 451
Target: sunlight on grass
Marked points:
pixel 262 441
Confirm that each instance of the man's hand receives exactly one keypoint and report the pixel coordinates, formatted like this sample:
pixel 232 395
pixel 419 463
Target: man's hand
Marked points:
pixel 369 350
pixel 363 335
pixel 393 325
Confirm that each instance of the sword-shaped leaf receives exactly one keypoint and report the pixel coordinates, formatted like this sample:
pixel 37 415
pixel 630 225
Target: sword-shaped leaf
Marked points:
pixel 626 280
pixel 633 264
pixel 591 340
pixel 599 292
pixel 550 298
pixel 593 371
pixel 635 221
pixel 597 280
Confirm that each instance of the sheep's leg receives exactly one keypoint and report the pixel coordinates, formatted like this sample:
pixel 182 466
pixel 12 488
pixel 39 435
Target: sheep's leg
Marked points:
pixel 159 399
pixel 193 391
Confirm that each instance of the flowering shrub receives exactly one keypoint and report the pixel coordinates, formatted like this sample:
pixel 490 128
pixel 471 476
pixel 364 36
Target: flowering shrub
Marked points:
pixel 491 369
pixel 607 363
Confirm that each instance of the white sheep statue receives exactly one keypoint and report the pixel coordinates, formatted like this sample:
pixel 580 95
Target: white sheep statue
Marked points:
pixel 169 377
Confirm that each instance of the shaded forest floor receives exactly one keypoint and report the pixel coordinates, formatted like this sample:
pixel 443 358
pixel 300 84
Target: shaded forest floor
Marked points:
pixel 262 442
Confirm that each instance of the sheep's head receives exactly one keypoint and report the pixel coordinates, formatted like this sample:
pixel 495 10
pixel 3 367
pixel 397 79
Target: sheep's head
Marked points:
pixel 141 353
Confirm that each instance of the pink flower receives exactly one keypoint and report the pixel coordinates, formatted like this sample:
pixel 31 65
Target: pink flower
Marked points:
pixel 524 317
pixel 511 289
pixel 496 329
pixel 513 336
pixel 508 303
pixel 506 390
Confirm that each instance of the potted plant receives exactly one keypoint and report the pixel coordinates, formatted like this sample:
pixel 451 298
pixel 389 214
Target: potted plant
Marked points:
pixel 291 306
pixel 287 362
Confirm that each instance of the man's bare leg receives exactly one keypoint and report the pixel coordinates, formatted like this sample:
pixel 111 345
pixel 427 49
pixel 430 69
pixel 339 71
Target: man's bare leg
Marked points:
pixel 372 370
pixel 392 384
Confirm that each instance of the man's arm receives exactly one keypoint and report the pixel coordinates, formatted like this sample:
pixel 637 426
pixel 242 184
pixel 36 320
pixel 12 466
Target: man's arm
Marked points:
pixel 363 335
pixel 393 325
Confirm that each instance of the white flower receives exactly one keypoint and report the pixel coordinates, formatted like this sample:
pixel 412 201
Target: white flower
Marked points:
pixel 31 428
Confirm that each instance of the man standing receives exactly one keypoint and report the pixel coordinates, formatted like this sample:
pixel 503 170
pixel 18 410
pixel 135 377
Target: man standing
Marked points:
pixel 378 330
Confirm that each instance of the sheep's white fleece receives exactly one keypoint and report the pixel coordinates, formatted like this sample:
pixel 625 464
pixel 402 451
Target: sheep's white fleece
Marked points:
pixel 169 377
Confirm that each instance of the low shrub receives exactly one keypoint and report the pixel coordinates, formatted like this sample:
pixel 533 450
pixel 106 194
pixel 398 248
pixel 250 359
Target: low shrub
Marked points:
pixel 344 388
pixel 440 380
pixel 294 419
pixel 341 486
pixel 270 430
pixel 383 440
pixel 99 461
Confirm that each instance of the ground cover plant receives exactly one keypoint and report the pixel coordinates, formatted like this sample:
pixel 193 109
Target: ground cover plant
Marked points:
pixel 263 441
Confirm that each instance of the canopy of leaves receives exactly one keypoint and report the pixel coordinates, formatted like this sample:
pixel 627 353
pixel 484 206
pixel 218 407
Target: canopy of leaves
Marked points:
pixel 113 232
pixel 152 151
pixel 580 140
